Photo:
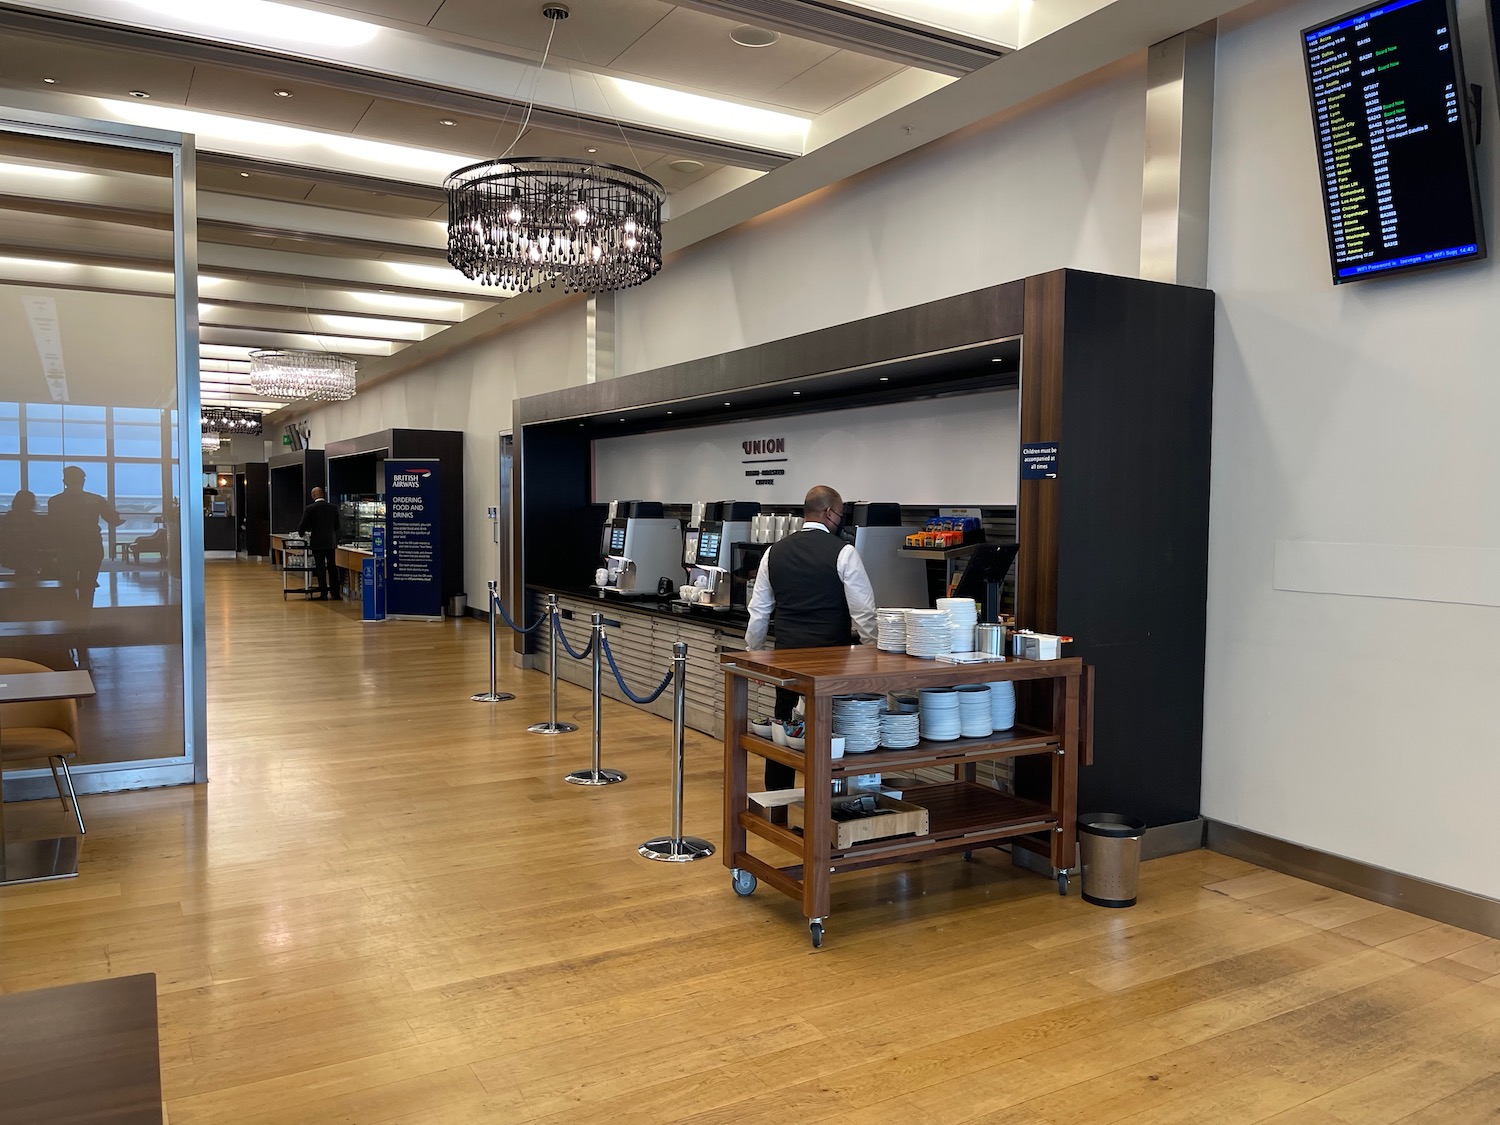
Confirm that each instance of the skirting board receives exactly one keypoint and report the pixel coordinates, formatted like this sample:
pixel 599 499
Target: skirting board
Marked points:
pixel 1405 892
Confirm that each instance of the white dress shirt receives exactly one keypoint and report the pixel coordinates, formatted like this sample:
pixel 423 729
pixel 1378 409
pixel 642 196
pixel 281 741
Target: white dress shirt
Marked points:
pixel 857 593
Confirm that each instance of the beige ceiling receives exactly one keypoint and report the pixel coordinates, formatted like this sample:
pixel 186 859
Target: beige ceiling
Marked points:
pixel 285 226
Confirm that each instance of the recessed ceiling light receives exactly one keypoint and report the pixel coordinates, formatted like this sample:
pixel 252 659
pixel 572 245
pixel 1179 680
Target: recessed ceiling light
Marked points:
pixel 448 121
pixel 669 411
pixel 244 175
pixel 622 419
pixel 795 393
pixel 50 81
pixel 997 359
pixel 686 165
pixel 885 378
pixel 282 93
pixel 726 404
pixel 591 150
pixel 139 94
pixel 747 35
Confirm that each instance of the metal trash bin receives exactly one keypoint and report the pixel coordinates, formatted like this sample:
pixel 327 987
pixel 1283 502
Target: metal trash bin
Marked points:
pixel 458 605
pixel 1111 846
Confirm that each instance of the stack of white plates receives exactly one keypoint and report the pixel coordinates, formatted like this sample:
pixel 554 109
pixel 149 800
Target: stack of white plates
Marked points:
pixel 963 615
pixel 940 717
pixel 928 633
pixel 974 712
pixel 1003 704
pixel 890 630
pixel 899 730
pixel 857 718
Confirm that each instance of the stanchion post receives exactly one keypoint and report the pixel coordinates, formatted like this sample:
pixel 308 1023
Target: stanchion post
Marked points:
pixel 596 775
pixel 677 848
pixel 494 695
pixel 552 726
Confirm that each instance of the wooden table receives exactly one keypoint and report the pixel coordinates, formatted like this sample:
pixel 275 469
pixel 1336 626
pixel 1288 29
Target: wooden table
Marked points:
pixel 81 1054
pixel 31 861
pixel 963 814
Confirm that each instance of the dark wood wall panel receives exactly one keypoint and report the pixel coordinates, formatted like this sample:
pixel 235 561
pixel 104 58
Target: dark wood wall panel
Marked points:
pixel 1041 420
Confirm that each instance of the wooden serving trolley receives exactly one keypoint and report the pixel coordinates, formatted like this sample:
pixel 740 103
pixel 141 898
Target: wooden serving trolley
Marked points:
pixel 962 814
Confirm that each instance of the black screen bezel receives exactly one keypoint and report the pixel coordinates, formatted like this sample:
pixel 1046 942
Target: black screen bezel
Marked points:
pixel 1466 122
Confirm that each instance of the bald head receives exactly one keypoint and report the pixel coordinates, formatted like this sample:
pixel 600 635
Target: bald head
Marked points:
pixel 820 500
pixel 317 494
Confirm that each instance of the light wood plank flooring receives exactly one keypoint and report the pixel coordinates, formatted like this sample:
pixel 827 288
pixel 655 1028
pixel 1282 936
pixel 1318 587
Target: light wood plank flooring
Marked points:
pixel 388 909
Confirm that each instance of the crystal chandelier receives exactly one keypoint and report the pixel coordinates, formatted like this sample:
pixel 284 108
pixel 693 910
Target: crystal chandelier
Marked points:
pixel 518 222
pixel 230 420
pixel 213 441
pixel 292 375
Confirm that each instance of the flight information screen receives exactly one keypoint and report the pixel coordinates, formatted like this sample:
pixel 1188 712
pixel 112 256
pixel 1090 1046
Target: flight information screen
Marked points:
pixel 1391 114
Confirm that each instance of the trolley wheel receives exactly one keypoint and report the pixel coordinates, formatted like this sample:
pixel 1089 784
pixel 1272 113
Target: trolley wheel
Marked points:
pixel 968 857
pixel 816 929
pixel 1062 882
pixel 744 882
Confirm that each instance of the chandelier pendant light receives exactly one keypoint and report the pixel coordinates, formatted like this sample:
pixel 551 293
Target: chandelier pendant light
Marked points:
pixel 220 422
pixel 213 441
pixel 521 222
pixel 292 375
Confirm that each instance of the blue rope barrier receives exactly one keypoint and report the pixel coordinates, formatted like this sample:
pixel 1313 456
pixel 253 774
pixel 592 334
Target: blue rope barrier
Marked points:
pixel 563 637
pixel 661 687
pixel 512 625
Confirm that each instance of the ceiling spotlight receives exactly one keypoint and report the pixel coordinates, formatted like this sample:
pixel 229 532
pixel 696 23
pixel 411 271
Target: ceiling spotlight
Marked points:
pixel 448 121
pixel 244 175
pixel 139 94
pixel 50 81
pixel 726 404
pixel 686 166
pixel 747 36
pixel 796 393
pixel 885 378
pixel 282 93
pixel 591 150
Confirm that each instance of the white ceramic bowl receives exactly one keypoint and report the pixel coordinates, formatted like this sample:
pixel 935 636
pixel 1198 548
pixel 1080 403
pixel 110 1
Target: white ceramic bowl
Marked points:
pixel 762 729
pixel 778 733
pixel 795 743
pixel 837 742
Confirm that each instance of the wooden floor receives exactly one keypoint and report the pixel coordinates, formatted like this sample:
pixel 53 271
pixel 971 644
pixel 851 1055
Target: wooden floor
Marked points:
pixel 387 907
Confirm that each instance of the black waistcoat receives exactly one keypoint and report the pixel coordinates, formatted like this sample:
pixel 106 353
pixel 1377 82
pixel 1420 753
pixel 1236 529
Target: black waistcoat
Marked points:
pixel 811 611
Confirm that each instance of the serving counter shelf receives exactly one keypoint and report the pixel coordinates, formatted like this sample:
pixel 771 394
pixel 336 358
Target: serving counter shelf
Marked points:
pixel 962 814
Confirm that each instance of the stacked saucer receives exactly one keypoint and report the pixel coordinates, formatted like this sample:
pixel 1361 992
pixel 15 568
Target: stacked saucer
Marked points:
pixel 890 630
pixel 857 718
pixel 963 616
pixel 928 633
pixel 940 719
pixel 1003 704
pixel 974 710
pixel 899 730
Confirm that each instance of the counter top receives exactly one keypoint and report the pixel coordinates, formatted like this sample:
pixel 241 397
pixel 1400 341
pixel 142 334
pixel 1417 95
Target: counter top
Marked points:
pixel 733 620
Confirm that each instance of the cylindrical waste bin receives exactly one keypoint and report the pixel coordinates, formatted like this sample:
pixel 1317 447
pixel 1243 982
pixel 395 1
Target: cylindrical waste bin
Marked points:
pixel 1111 847
pixel 458 605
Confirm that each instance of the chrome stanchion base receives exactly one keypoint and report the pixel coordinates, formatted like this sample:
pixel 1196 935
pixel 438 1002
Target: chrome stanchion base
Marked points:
pixel 684 849
pixel 594 777
pixel 551 728
pixel 491 697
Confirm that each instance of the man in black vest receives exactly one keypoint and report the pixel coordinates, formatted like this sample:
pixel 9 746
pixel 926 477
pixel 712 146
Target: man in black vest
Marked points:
pixel 320 522
pixel 814 586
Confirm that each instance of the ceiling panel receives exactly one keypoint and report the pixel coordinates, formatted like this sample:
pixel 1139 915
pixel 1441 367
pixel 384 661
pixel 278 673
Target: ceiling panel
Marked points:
pixel 552 142
pixel 260 185
pixel 96 157
pixel 409 123
pixel 834 80
pixel 370 202
pixel 673 180
pixel 412 11
pixel 252 95
pixel 53 234
pixel 694 49
pixel 25 60
pixel 597 32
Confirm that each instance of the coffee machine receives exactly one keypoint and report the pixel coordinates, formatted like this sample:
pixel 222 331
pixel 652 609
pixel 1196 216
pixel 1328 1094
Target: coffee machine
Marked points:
pixel 715 527
pixel 639 548
pixel 897 580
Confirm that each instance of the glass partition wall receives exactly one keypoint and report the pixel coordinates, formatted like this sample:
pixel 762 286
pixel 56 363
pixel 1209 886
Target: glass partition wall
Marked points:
pixel 100 528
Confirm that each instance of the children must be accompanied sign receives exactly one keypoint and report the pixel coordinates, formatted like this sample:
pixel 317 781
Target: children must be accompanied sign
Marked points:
pixel 1039 460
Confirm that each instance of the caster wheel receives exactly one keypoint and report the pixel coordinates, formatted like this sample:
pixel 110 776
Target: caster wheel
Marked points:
pixel 968 857
pixel 816 929
pixel 1062 883
pixel 744 882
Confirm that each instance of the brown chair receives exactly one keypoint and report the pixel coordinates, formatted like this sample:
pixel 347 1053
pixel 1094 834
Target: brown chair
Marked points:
pixel 45 730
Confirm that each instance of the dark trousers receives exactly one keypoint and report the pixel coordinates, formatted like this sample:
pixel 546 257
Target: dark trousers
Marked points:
pixel 779 776
pixel 326 571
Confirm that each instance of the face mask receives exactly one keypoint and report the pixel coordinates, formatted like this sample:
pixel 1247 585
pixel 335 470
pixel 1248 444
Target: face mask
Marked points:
pixel 838 528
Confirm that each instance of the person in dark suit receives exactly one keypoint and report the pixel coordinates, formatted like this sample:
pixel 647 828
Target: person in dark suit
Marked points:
pixel 814 587
pixel 320 523
pixel 73 516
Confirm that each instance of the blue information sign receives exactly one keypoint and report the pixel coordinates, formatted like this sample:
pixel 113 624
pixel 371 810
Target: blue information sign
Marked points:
pixel 372 586
pixel 1039 460
pixel 413 580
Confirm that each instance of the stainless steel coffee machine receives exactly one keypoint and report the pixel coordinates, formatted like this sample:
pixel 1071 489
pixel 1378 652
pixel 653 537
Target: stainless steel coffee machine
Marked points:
pixel 897 580
pixel 639 548
pixel 715 527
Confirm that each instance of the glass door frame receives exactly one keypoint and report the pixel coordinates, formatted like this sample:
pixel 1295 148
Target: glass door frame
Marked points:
pixel 192 766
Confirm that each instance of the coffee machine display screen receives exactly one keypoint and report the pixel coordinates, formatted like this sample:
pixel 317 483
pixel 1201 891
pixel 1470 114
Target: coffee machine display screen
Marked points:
pixel 708 548
pixel 617 540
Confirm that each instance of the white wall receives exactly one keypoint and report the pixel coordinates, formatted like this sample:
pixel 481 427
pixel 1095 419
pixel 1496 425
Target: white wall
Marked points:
pixel 1364 415
pixel 472 390
pixel 964 450
pixel 1057 186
